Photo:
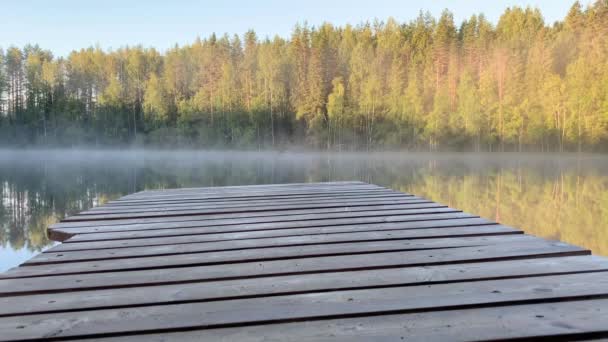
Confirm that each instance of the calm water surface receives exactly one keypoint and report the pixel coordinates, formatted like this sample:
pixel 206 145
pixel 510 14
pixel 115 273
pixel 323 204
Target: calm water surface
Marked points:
pixel 555 196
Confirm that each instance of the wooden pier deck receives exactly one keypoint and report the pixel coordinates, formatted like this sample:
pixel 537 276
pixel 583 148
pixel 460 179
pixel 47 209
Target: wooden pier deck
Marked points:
pixel 343 261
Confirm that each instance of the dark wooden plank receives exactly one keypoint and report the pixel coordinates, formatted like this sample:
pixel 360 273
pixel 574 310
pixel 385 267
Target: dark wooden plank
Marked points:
pixel 256 187
pixel 294 284
pixel 264 223
pixel 555 321
pixel 229 194
pixel 214 259
pixel 252 196
pixel 198 230
pixel 260 192
pixel 284 215
pixel 259 185
pixel 244 250
pixel 436 249
pixel 276 208
pixel 417 229
pixel 125 222
pixel 290 199
pixel 84 234
pixel 419 261
pixel 247 191
pixel 384 194
pixel 258 206
pixel 302 240
pixel 301 307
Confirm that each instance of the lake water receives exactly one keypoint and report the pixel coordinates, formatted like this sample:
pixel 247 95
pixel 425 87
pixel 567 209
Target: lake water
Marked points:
pixel 561 197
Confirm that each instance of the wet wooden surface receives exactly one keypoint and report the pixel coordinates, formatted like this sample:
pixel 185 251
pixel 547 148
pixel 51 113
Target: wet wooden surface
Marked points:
pixel 345 261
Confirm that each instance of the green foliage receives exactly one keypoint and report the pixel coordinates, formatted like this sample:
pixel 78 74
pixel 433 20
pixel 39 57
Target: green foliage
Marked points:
pixel 426 84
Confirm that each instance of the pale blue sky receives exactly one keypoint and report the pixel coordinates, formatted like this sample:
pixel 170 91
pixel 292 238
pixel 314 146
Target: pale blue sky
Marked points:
pixel 63 25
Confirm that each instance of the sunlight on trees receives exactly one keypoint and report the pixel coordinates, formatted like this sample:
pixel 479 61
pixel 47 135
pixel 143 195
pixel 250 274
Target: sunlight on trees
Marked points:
pixel 428 84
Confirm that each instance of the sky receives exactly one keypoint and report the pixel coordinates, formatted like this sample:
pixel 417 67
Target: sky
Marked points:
pixel 64 25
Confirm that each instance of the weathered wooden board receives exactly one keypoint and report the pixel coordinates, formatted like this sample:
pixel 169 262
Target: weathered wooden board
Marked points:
pixel 271 242
pixel 94 217
pixel 267 199
pixel 255 196
pixel 242 215
pixel 253 206
pixel 417 229
pixel 417 257
pixel 287 192
pixel 257 187
pixel 203 256
pixel 322 261
pixel 301 307
pixel 127 223
pixel 302 283
pixel 227 225
pixel 556 321
pixel 421 260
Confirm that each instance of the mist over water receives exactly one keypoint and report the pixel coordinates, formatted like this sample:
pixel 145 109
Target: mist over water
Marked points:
pixel 550 195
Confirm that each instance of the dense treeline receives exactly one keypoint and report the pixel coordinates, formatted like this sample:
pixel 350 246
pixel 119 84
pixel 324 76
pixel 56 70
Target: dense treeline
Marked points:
pixel 425 84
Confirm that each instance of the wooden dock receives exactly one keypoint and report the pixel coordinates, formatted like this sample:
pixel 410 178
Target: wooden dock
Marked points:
pixel 343 261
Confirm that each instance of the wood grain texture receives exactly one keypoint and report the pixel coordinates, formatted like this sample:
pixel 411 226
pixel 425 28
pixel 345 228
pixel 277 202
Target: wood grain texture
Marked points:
pixel 299 262
pixel 417 229
pixel 555 321
pixel 11 283
pixel 236 225
pixel 302 307
pixel 301 283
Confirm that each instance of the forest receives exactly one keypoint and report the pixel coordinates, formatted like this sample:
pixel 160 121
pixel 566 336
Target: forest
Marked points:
pixel 520 84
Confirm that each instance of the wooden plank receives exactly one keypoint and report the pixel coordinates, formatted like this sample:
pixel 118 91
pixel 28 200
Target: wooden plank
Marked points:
pixel 241 187
pixel 252 196
pixel 301 240
pixel 261 194
pixel 283 199
pixel 429 228
pixel 277 208
pixel 294 284
pixel 221 262
pixel 125 223
pixel 321 211
pixel 419 261
pixel 202 229
pixel 355 193
pixel 225 252
pixel 555 321
pixel 294 221
pixel 291 199
pixel 259 206
pixel 257 187
pixel 83 234
pixel 301 307
pixel 425 250
pixel 101 223
pixel 279 215
pixel 258 193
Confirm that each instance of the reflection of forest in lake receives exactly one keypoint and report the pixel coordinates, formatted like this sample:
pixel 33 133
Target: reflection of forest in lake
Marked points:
pixel 558 197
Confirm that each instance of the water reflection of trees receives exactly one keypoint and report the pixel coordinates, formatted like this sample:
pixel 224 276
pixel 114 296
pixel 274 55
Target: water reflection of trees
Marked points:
pixel 563 203
pixel 549 197
pixel 37 194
